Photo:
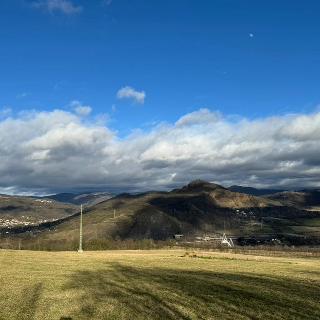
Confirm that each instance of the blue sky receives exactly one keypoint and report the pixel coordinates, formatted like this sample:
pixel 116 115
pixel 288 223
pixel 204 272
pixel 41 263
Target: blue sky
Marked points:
pixel 184 54
pixel 235 80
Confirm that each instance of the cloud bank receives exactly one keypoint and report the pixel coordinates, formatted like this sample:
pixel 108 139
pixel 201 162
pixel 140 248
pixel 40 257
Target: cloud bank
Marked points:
pixel 130 93
pixel 60 151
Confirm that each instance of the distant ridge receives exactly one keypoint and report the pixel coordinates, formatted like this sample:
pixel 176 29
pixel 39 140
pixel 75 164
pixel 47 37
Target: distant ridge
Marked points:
pixel 302 199
pixel 87 198
pixel 254 191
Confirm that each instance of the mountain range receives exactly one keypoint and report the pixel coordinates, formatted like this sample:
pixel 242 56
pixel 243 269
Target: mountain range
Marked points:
pixel 193 211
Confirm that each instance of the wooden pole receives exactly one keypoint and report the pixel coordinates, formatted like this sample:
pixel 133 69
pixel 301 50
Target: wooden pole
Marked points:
pixel 80 250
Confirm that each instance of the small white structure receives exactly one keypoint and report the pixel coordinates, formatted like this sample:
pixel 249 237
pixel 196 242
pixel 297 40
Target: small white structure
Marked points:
pixel 227 241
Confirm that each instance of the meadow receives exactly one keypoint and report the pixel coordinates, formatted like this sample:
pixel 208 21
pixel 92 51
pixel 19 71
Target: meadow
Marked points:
pixel 157 284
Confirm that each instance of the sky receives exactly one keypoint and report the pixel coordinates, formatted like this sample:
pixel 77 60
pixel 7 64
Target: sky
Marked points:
pixel 131 95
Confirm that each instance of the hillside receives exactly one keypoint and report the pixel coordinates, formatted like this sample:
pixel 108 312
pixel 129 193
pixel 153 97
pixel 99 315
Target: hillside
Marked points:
pixel 224 198
pixel 18 211
pixel 300 199
pixel 87 198
pixel 254 191
pixel 195 210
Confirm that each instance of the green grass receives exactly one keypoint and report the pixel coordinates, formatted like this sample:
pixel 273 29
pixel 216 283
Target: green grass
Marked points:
pixel 159 284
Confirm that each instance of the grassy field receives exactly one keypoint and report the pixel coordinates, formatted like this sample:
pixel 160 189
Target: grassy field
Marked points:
pixel 159 284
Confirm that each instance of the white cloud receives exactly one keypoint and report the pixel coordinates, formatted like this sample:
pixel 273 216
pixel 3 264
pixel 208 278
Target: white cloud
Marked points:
pixel 59 151
pixel 5 112
pixel 63 6
pixel 130 93
pixel 80 109
pixel 198 117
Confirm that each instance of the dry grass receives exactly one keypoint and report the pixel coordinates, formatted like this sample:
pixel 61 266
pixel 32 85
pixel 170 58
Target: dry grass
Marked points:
pixel 159 284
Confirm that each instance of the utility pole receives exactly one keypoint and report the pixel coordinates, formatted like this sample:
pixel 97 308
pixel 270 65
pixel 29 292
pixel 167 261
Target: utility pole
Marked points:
pixel 80 250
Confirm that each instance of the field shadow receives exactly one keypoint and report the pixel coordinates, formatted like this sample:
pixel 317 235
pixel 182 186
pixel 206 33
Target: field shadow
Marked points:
pixel 126 292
